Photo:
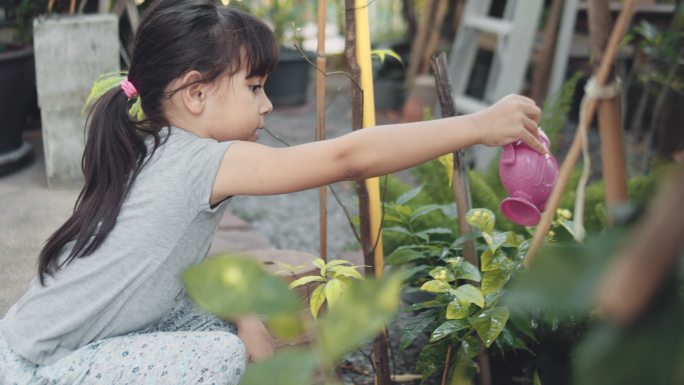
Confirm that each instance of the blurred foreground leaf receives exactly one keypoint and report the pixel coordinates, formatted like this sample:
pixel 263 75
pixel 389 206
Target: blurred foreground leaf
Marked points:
pixel 360 313
pixel 563 278
pixel 230 286
pixel 288 367
pixel 649 352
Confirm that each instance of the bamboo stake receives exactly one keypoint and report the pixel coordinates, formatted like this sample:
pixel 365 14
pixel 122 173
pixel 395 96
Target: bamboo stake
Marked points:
pixel 640 268
pixel 418 44
pixel 571 158
pixel 357 52
pixel 433 37
pixel 540 81
pixel 462 197
pixel 610 126
pixel 320 126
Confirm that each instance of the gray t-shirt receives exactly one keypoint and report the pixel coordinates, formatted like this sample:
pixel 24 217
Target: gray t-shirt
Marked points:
pixel 130 282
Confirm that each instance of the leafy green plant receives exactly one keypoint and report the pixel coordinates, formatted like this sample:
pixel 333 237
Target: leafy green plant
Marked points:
pixel 459 314
pixel 333 279
pixel 226 285
pixel 662 48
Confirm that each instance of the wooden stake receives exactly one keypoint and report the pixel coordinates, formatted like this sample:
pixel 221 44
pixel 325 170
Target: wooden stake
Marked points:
pixel 462 197
pixel 610 125
pixel 320 125
pixel 419 41
pixel 648 257
pixel 542 69
pixel 571 158
pixel 433 37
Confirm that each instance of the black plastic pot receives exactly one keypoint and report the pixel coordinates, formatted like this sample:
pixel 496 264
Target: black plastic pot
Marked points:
pixel 288 84
pixel 17 82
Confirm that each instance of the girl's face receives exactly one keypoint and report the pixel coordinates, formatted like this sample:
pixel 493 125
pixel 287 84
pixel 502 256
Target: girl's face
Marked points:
pixel 236 110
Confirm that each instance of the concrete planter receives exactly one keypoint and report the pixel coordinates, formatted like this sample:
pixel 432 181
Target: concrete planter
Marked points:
pixel 70 53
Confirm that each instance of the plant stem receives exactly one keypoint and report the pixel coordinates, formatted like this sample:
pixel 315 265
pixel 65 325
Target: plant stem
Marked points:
pixel 446 365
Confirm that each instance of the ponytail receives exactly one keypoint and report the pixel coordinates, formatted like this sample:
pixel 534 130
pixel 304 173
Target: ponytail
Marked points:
pixel 114 154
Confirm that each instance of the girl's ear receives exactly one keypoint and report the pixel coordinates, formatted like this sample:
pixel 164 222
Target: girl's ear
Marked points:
pixel 194 96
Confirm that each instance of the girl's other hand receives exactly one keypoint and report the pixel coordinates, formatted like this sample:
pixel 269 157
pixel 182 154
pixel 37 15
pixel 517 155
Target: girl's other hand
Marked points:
pixel 258 341
pixel 509 120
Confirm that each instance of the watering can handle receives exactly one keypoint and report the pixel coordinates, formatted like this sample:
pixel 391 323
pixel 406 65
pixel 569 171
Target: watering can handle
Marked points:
pixel 508 155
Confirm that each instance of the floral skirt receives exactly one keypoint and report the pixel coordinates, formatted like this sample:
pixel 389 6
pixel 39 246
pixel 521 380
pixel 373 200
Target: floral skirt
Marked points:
pixel 188 346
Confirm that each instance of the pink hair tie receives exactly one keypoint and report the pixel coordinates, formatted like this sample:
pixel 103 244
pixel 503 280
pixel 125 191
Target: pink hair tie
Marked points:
pixel 128 88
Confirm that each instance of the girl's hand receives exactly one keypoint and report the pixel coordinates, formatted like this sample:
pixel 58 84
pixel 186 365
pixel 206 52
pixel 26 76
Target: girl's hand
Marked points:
pixel 512 118
pixel 258 342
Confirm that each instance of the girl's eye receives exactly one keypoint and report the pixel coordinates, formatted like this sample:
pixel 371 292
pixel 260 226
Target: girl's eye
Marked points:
pixel 255 87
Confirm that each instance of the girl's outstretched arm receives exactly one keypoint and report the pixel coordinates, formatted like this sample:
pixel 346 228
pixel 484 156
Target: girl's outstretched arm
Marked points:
pixel 253 169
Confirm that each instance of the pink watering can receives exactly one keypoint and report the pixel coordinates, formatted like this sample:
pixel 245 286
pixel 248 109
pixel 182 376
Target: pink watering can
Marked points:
pixel 529 177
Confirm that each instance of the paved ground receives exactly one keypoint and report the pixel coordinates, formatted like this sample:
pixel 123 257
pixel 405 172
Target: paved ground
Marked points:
pixel 29 212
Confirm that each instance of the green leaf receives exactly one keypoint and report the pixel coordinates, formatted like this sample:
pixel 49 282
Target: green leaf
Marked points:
pixel 494 280
pixel 456 310
pixel 448 328
pixel 333 290
pixel 498 239
pixel 569 226
pixel 409 195
pixel 337 262
pixel 415 326
pixel 481 219
pixel 225 285
pixel 434 231
pixel 495 261
pixel 424 210
pixel 470 346
pixel 431 358
pixel 293 366
pixel 523 324
pixel 398 229
pixel 288 268
pixel 448 162
pixel 427 305
pixel 286 326
pixel 489 323
pixel 442 273
pixel 467 294
pixel 513 239
pixel 383 53
pixel 306 279
pixel 436 286
pixel 345 271
pixel 403 255
pixel 317 299
pixel 536 380
pixel 320 263
pixel 359 314
pixel 465 270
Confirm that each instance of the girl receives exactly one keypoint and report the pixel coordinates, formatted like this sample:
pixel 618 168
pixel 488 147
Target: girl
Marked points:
pixel 107 305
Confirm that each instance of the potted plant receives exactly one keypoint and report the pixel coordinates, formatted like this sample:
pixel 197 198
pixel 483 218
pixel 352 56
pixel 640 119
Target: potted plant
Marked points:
pixel 288 84
pixel 17 84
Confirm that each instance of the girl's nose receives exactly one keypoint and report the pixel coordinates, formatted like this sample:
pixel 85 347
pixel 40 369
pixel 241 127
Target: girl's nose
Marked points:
pixel 266 105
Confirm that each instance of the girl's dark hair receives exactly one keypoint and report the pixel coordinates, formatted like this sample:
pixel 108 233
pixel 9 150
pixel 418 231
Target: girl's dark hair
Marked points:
pixel 174 37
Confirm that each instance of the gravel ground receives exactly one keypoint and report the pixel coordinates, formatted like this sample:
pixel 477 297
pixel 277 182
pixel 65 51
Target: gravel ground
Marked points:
pixel 291 221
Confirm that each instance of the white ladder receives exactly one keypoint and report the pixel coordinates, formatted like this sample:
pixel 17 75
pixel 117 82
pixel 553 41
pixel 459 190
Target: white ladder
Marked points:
pixel 515 33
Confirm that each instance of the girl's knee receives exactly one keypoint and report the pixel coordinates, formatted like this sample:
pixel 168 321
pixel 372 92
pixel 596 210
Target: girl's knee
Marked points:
pixel 228 356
